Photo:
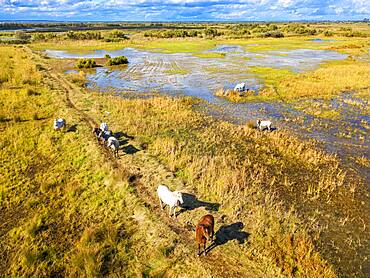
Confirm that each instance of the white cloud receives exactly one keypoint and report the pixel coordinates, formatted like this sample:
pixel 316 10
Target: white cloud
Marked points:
pixel 187 9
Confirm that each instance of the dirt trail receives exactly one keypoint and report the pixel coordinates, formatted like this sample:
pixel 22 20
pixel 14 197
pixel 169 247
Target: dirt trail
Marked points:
pixel 144 172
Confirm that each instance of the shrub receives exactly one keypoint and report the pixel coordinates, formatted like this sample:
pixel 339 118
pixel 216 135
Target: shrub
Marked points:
pixel 250 125
pixel 179 33
pixel 86 63
pixel 120 60
pixel 107 56
pixel 38 37
pixel 21 35
pixel 3 119
pixel 356 34
pixel 31 92
pixel 116 34
pixel 39 67
pixel 89 35
pixel 273 34
pixel 212 32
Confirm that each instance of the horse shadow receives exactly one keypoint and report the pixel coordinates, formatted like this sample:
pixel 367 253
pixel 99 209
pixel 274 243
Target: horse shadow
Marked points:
pixel 123 138
pixel 72 128
pixel 266 129
pixel 228 233
pixel 122 142
pixel 191 202
pixel 120 134
pixel 130 149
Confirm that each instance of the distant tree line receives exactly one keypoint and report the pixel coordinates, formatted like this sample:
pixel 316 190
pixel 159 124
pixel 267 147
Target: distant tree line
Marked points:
pixel 180 33
pixel 172 34
pixel 174 30
pixel 89 35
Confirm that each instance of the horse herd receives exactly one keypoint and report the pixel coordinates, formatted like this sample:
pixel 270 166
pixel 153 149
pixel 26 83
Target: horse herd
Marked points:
pixel 102 133
pixel 105 136
pixel 205 228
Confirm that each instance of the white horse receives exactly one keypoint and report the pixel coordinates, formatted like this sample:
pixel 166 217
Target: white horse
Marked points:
pixel 172 199
pixel 261 125
pixel 104 127
pixel 113 143
pixel 239 87
pixel 59 124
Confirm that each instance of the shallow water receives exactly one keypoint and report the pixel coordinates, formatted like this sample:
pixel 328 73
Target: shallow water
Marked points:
pixel 183 73
pixel 322 40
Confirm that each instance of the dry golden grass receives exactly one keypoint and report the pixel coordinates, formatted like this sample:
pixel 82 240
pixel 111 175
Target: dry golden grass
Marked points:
pixel 328 81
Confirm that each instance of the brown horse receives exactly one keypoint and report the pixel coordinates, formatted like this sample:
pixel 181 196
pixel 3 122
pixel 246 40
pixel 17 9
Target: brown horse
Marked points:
pixel 204 231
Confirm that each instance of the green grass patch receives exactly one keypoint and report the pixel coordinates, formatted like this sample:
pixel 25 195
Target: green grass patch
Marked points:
pixel 176 71
pixel 210 55
pixel 352 46
pixel 176 45
pixel 80 46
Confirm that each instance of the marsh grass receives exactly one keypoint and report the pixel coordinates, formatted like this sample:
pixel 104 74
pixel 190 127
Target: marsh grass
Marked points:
pixel 79 78
pixel 234 96
pixel 320 109
pixel 210 55
pixel 364 161
pixel 176 71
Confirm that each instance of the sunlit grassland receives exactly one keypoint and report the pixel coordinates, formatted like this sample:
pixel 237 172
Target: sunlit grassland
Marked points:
pixel 78 217
pixel 329 80
pixel 80 46
pixel 63 209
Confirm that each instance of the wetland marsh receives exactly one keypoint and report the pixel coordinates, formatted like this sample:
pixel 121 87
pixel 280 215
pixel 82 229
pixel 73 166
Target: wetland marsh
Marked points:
pixel 292 202
pixel 341 124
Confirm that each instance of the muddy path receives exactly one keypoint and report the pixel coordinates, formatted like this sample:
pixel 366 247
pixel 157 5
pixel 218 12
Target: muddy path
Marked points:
pixel 143 172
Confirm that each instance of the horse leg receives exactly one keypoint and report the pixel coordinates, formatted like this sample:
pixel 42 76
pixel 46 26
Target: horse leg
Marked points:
pixel 160 203
pixel 204 246
pixel 198 249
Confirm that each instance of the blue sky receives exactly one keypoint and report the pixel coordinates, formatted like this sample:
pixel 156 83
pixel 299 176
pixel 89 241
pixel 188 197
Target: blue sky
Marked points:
pixel 184 10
